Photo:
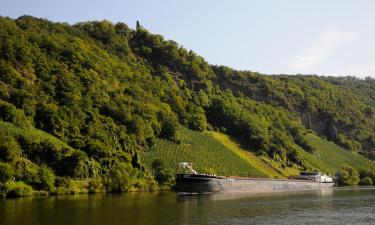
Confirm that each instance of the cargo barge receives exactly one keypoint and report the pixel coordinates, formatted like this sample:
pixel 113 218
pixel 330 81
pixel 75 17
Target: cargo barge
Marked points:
pixel 192 182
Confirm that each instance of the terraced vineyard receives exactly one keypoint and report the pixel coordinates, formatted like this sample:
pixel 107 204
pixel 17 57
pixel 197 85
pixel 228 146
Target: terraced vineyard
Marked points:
pixel 33 135
pixel 206 154
pixel 216 152
pixel 329 157
pixel 248 156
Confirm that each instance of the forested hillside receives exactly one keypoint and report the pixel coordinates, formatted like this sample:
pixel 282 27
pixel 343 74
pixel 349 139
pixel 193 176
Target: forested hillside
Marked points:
pixel 80 104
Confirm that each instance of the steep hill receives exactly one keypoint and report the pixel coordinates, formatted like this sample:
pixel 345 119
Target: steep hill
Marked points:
pixel 98 103
pixel 206 154
pixel 215 152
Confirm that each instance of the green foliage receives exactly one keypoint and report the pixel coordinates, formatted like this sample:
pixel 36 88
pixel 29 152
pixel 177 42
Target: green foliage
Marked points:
pixel 47 119
pixel 10 113
pixel 86 168
pixel 6 172
pixel 333 107
pixel 203 151
pixel 45 179
pixel 169 124
pixel 162 175
pixel 95 186
pixel 329 157
pixel 260 127
pixel 365 181
pixel 18 189
pixel 258 162
pixel 82 102
pixel 347 176
pixel 9 149
pixel 368 173
pixel 197 118
pixel 66 185
pixel 25 170
pixel 120 178
pixel 208 170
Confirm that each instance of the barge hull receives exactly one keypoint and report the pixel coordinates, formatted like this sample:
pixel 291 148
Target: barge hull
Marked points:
pixel 203 184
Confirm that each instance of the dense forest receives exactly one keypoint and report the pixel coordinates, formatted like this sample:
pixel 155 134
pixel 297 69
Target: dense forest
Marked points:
pixel 80 103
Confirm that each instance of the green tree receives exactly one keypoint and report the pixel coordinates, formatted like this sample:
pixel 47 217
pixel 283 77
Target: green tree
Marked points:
pixel 169 124
pixel 9 149
pixel 365 181
pixel 18 189
pixel 347 176
pixel 197 119
pixel 6 172
pixel 45 178
pixel 9 113
pixel 120 178
pixel 162 175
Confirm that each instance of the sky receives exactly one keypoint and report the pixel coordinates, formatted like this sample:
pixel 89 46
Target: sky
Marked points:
pixel 335 37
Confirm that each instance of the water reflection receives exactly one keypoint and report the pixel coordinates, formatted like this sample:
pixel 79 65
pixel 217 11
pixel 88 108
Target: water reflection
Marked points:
pixel 336 206
pixel 249 207
pixel 244 195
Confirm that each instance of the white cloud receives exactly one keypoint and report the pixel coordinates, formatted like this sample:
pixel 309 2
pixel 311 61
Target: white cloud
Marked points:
pixel 322 47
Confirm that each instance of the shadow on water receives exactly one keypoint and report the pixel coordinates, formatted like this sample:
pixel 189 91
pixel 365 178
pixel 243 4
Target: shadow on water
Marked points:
pixel 334 206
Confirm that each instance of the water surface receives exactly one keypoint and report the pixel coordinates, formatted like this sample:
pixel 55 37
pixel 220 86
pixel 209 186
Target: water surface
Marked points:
pixel 336 206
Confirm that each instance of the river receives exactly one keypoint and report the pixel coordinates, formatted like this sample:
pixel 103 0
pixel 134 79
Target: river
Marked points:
pixel 335 206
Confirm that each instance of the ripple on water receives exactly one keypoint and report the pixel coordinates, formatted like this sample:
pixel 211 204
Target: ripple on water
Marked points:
pixel 337 206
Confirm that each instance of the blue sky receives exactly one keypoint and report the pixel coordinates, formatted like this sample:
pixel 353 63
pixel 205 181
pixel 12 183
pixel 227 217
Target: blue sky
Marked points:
pixel 335 37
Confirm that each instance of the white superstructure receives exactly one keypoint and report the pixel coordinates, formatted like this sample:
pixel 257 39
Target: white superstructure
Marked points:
pixel 315 176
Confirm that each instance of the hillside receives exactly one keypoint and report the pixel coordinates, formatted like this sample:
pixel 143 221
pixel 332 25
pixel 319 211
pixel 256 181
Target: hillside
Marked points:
pixel 206 154
pixel 97 106
pixel 331 156
pixel 215 152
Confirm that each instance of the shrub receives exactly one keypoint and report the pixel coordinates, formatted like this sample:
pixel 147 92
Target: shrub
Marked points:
pixel 18 189
pixel 347 176
pixel 169 125
pixel 87 168
pixel 118 178
pixel 45 178
pixel 6 172
pixel 97 149
pixel 95 186
pixel 67 186
pixel 9 148
pixel 25 170
pixel 369 172
pixel 197 119
pixel 162 175
pixel 74 165
pixel 366 181
pixel 10 113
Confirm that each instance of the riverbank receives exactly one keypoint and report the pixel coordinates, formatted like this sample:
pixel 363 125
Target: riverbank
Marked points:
pixel 72 187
